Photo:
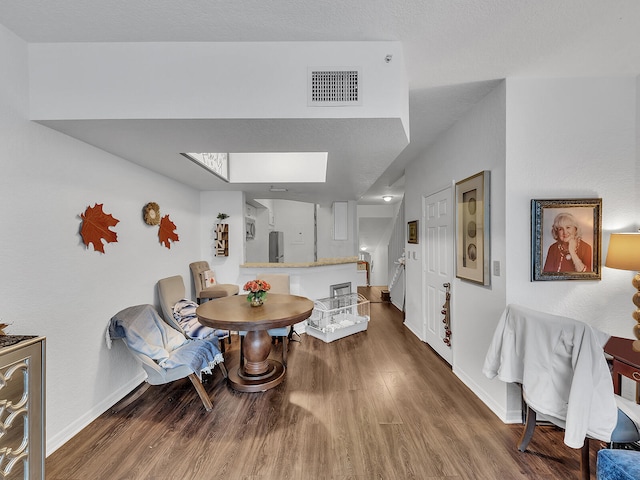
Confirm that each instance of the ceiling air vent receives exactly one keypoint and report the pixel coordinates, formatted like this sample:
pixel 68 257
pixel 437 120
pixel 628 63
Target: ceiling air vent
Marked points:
pixel 333 87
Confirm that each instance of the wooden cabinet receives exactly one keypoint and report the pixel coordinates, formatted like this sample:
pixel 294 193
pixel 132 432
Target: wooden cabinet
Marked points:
pixel 222 240
pixel 22 407
pixel 626 361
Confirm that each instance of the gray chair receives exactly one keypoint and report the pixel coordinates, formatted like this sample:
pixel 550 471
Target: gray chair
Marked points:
pixel 170 291
pixel 164 352
pixel 279 283
pixel 204 292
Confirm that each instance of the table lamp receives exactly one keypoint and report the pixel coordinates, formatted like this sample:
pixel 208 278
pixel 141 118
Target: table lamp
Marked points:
pixel 624 254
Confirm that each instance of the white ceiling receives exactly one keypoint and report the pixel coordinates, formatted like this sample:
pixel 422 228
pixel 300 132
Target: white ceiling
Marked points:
pixel 455 53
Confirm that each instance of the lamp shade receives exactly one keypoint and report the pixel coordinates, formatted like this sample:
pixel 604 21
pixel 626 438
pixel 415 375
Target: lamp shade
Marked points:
pixel 624 251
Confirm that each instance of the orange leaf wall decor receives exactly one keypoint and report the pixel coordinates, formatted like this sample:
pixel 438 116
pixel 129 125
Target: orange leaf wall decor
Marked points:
pixel 95 227
pixel 166 231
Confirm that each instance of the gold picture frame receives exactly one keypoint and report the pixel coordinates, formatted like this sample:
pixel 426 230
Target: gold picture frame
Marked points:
pixel 554 223
pixel 472 228
pixel 412 231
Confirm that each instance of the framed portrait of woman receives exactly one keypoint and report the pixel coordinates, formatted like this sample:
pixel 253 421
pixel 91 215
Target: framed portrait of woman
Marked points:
pixel 566 239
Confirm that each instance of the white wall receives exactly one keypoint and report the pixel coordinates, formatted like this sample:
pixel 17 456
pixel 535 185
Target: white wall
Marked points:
pixel 51 284
pixel 182 79
pixel 295 219
pixel 395 257
pixel 327 246
pixel 473 144
pixel 257 249
pixel 227 269
pixel 541 139
pixel 573 138
pixel 376 223
pixel 636 199
pixel 379 273
pixel 296 222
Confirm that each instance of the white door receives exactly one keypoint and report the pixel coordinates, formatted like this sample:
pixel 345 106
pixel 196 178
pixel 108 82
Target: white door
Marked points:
pixel 438 220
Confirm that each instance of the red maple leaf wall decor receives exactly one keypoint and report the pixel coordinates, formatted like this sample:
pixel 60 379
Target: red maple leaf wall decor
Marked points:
pixel 166 232
pixel 95 227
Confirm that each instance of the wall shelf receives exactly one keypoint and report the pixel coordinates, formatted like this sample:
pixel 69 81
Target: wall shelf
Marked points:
pixel 222 240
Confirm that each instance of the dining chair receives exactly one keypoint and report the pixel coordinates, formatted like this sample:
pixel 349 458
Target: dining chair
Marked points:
pixel 205 284
pixel 165 353
pixel 560 366
pixel 171 292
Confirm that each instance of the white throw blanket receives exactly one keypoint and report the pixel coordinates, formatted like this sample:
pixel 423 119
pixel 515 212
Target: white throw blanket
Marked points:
pixel 144 331
pixel 561 366
pixel 184 311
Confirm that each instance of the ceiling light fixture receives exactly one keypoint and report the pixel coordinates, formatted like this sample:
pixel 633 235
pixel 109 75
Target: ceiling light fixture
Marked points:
pixel 387 198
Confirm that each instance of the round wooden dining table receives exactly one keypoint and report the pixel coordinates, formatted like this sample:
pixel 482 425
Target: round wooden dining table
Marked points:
pixel 259 372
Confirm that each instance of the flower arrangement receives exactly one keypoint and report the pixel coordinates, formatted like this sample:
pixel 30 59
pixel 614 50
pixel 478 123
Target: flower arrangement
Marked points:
pixel 222 216
pixel 257 291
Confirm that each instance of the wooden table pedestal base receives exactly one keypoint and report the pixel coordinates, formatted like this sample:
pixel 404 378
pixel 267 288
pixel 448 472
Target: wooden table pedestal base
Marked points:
pixel 257 383
pixel 259 372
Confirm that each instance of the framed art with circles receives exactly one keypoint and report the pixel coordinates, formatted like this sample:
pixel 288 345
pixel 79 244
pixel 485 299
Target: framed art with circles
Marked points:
pixel 472 228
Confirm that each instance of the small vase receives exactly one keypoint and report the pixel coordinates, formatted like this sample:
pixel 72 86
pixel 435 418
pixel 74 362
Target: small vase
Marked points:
pixel 256 302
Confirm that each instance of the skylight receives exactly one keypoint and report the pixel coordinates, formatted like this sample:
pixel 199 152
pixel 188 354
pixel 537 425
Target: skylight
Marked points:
pixel 281 167
pixel 216 163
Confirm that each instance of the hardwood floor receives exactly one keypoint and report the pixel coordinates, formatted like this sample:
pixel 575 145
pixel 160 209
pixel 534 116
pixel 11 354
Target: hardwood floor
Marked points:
pixel 376 405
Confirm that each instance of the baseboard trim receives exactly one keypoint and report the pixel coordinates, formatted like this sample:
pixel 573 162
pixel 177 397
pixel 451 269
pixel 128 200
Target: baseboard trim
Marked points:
pixel 74 428
pixel 507 416
pixel 412 329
